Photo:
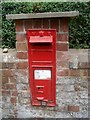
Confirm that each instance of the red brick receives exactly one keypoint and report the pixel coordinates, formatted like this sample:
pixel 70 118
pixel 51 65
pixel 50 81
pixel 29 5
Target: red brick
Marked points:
pixel 78 72
pixel 84 72
pixel 46 23
pixel 28 24
pixel 61 108
pixel 11 86
pixel 21 37
pixel 10 65
pixel 19 25
pixel 22 65
pixel 12 79
pixel 62 37
pixel 21 55
pixel 4 86
pixel 37 23
pixel 4 80
pixel 54 24
pixel 21 46
pixel 84 65
pixel 64 25
pixel 62 56
pixel 62 46
pixel 5 92
pixel 63 72
pixel 13 100
pixel 7 72
pixel 24 72
pixel 4 65
pixel 74 72
pixel 73 108
pixel 88 72
pixel 14 93
pixel 62 64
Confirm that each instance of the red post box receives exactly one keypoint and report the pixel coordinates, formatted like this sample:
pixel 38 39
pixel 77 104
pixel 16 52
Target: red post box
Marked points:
pixel 42 66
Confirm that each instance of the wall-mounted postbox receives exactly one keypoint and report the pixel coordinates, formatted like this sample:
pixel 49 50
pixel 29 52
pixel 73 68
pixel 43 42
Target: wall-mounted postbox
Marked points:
pixel 42 66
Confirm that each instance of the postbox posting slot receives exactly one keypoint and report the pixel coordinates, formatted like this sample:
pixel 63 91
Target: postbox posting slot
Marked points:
pixel 41 39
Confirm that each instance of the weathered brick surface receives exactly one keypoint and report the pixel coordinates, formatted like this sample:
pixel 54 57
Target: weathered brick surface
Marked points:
pixel 21 37
pixel 74 72
pixel 21 46
pixel 67 72
pixel 7 72
pixel 28 24
pixel 37 23
pixel 5 92
pixel 46 23
pixel 22 76
pixel 22 65
pixel 21 55
pixel 62 37
pixel 62 64
pixel 14 93
pixel 71 91
pixel 64 24
pixel 12 79
pixel 62 47
pixel 84 65
pixel 54 24
pixel 8 65
pixel 19 25
pixel 5 80
pixel 73 108
pixel 62 56
pixel 13 100
pixel 63 72
pixel 11 86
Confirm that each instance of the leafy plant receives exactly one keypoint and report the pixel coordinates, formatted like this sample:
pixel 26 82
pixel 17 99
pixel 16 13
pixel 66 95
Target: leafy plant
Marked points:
pixel 79 26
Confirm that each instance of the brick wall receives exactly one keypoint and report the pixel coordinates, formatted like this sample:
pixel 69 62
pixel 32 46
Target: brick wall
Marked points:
pixel 72 90
pixel 61 25
pixel 71 86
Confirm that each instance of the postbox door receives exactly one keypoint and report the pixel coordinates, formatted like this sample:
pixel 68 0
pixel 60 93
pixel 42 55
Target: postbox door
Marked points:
pixel 42 65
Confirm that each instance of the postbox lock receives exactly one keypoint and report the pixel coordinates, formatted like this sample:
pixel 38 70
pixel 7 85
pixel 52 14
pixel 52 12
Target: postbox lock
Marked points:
pixel 44 103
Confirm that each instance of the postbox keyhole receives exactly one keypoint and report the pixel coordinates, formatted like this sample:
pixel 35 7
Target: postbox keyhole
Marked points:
pixel 40 88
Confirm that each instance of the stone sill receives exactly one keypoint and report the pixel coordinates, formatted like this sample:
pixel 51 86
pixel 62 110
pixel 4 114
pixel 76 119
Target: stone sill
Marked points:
pixel 43 15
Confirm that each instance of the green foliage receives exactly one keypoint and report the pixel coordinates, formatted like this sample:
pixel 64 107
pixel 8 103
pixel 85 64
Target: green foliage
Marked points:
pixel 8 26
pixel 79 26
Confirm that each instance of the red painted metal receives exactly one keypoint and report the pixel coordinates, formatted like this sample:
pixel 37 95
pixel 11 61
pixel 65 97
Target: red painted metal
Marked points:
pixel 40 39
pixel 42 66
